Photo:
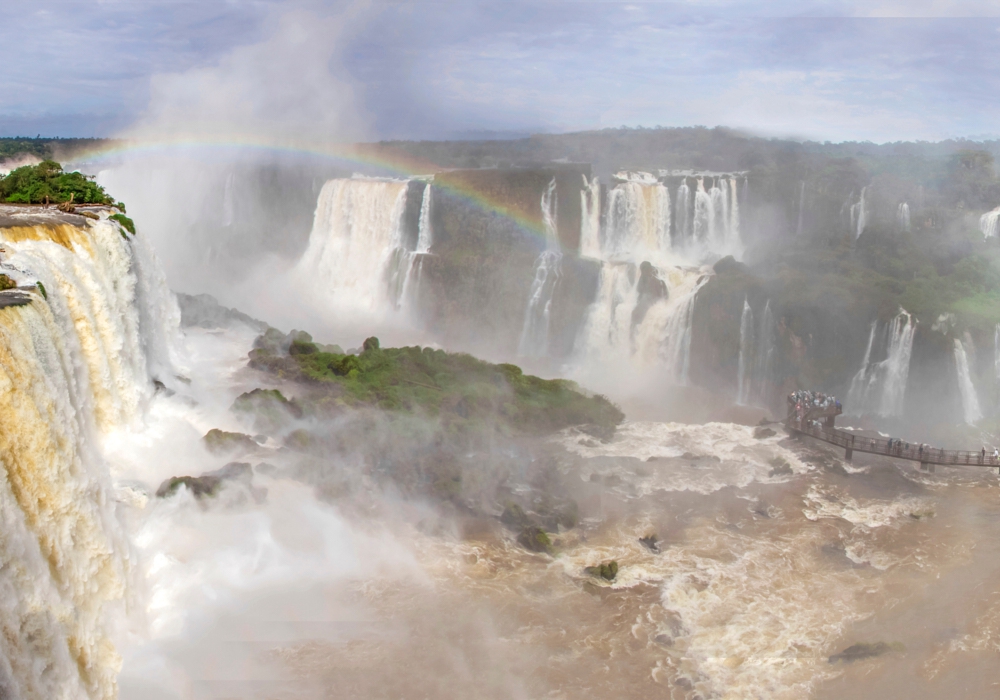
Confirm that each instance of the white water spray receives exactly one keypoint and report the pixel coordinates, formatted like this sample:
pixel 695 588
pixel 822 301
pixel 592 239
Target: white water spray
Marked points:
pixel 970 401
pixel 989 223
pixel 746 353
pixel 590 222
pixel 880 387
pixel 548 270
pixel 903 216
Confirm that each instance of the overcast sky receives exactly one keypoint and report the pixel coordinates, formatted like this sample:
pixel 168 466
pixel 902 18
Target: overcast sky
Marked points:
pixel 875 70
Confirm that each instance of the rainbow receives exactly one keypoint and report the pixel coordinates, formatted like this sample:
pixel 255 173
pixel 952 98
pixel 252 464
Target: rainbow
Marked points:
pixel 371 155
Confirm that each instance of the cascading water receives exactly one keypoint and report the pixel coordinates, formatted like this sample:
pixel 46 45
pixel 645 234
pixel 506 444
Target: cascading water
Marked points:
pixel 764 361
pixel 683 220
pixel 74 364
pixel 970 401
pixel 638 220
pixel 996 352
pixel 355 254
pixel 548 270
pixel 590 222
pixel 415 259
pixel 704 215
pixel 903 216
pixel 802 205
pixel 859 215
pixel 746 355
pixel 989 223
pixel 880 387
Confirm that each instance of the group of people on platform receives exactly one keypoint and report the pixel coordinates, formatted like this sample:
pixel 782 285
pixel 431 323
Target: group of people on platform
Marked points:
pixel 802 401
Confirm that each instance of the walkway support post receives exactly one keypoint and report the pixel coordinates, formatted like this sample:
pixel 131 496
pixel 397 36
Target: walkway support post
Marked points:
pixel 848 454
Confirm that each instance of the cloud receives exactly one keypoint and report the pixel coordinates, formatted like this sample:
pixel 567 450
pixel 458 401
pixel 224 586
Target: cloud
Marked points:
pixel 288 87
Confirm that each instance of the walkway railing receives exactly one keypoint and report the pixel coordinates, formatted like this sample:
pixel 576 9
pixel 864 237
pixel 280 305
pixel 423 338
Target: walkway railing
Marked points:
pixel 902 450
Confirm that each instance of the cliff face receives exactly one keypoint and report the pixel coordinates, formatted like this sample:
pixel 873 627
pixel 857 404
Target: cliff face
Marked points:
pixel 488 233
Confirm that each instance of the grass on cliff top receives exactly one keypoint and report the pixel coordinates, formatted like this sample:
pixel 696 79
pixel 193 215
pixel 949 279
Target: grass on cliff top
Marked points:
pixel 36 184
pixel 454 385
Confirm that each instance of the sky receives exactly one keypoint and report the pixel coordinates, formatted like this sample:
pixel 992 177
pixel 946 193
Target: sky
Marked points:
pixel 877 70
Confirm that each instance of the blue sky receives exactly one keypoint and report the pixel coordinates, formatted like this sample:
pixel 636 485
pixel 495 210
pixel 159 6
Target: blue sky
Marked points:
pixel 876 70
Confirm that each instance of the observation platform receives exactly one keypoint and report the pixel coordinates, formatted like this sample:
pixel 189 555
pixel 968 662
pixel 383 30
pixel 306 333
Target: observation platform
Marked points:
pixel 818 423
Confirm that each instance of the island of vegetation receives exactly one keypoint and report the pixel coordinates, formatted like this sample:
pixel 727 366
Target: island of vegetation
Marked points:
pixel 456 387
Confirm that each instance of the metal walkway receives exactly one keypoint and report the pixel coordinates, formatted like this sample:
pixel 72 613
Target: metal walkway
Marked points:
pixel 927 456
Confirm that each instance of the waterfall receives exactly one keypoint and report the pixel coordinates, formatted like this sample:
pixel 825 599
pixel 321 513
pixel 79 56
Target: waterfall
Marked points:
pixel 355 254
pixel 746 355
pixel 996 352
pixel 548 270
pixel 880 387
pixel 638 220
pixel 661 339
pixel 590 221
pixel 415 259
pixel 970 402
pixel 903 216
pixel 802 204
pixel 765 357
pixel 74 365
pixel 859 215
pixel 989 223
pixel 704 215
pixel 682 225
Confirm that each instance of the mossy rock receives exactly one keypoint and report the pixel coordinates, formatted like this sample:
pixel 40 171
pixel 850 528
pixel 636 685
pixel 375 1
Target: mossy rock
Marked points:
pixel 370 344
pixel 199 486
pixel 856 652
pixel 534 539
pixel 302 347
pixel 514 517
pixel 6 283
pixel 608 570
pixel 222 441
pixel 269 409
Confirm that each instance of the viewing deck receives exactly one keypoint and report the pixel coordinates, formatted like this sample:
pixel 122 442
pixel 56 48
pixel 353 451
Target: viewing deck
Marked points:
pixel 928 457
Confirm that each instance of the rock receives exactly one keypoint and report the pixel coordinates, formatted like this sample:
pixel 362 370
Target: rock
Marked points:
pixel 161 388
pixel 269 409
pixel 762 433
pixel 208 483
pixel 204 311
pixel 199 486
pixel 856 652
pixel 217 441
pixel 650 543
pixel 780 467
pixel 6 283
pixel 607 570
pixel 89 215
pixel 650 289
pixel 534 539
pixel 601 432
pixel 514 517
pixel 370 344
pixel 728 265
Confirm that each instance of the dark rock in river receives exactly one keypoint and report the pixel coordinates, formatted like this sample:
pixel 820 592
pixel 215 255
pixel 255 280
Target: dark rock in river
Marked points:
pixel 534 539
pixel 608 570
pixel 650 543
pixel 761 433
pixel 855 652
pixel 650 289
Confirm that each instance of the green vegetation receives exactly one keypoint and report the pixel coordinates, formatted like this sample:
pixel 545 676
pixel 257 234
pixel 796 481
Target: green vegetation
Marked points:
pixel 221 441
pixel 126 223
pixel 534 539
pixel 608 570
pixel 458 387
pixel 46 148
pixel 46 182
pixel 6 283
